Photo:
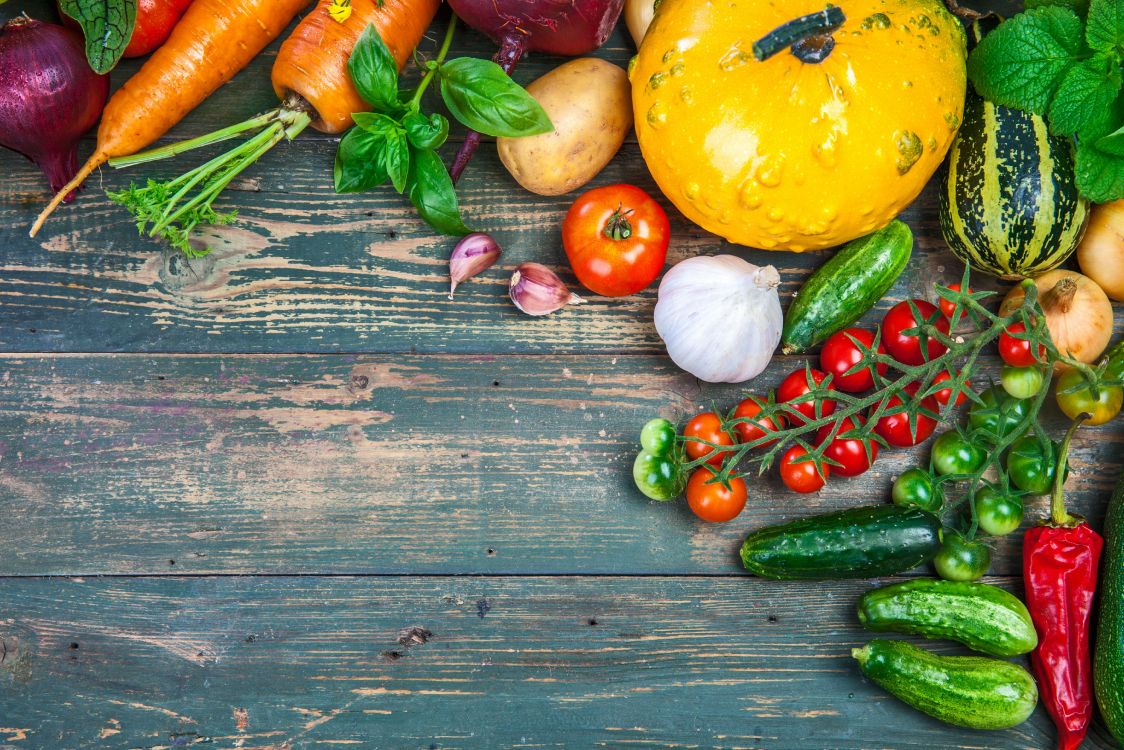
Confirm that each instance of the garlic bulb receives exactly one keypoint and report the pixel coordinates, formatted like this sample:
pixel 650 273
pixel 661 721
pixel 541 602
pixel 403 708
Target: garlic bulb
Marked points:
pixel 720 317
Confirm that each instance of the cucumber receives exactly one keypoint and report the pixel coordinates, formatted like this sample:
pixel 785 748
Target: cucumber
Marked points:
pixel 861 542
pixel 977 692
pixel 846 286
pixel 1108 664
pixel 982 617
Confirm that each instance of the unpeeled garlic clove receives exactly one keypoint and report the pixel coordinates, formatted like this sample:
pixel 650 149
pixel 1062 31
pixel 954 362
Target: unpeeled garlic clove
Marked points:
pixel 475 252
pixel 536 290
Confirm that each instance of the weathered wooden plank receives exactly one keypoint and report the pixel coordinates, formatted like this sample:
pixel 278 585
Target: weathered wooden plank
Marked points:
pixel 404 464
pixel 291 663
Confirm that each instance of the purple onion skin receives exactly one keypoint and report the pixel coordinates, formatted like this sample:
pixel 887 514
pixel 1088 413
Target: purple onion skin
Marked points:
pixel 49 96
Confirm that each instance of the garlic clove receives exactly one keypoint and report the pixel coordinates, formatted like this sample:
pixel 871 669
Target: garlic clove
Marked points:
pixel 536 290
pixel 475 253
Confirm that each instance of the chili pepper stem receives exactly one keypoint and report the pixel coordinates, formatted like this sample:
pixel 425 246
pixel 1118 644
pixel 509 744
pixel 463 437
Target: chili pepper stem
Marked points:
pixel 1059 516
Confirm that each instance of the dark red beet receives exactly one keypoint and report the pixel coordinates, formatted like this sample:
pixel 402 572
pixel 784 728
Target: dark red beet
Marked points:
pixel 556 27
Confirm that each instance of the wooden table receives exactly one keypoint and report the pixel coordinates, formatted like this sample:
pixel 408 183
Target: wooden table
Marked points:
pixel 292 496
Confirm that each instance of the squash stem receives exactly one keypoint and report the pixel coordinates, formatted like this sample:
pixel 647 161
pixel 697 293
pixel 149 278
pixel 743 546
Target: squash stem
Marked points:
pixel 812 32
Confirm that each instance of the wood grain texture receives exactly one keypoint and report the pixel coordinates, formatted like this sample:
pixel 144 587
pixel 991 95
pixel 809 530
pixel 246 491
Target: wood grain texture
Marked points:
pixel 421 464
pixel 295 663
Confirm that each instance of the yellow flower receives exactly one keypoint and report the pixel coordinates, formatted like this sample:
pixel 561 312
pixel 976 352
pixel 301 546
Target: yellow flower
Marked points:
pixel 339 10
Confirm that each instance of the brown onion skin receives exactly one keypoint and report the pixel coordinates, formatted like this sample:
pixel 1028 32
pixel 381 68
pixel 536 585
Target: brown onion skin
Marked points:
pixel 49 96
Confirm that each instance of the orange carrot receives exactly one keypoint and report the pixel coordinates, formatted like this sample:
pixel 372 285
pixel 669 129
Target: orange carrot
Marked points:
pixel 213 41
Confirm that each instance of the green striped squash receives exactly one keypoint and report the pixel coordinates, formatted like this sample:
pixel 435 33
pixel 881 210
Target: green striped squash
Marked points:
pixel 1009 204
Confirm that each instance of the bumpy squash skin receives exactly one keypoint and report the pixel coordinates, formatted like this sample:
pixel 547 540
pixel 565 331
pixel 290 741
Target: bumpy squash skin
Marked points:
pixel 1009 204
pixel 788 155
pixel 1108 659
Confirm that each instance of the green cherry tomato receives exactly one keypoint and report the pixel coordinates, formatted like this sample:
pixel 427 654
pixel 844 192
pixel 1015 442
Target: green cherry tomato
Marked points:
pixel 955 454
pixel 1031 465
pixel 998 415
pixel 1021 382
pixel 658 436
pixel 658 477
pixel 1115 369
pixel 961 560
pixel 998 513
pixel 1103 407
pixel 915 489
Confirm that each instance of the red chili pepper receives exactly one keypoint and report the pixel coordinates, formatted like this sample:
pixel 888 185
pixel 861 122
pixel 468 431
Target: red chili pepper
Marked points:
pixel 1060 561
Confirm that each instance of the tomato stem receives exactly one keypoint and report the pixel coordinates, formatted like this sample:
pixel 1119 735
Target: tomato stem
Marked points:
pixel 618 227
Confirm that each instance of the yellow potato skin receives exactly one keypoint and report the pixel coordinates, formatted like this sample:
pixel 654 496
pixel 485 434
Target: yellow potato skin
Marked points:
pixel 788 155
pixel 589 101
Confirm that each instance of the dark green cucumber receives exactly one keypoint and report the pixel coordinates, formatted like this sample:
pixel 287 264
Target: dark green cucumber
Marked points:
pixel 846 286
pixel 857 543
pixel 1108 666
pixel 969 691
pixel 982 617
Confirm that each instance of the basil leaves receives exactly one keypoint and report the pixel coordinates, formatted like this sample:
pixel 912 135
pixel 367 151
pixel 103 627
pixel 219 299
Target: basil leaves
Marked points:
pixel 398 143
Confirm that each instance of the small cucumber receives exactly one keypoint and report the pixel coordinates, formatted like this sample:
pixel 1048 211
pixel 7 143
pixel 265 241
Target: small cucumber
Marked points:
pixel 1108 664
pixel 982 617
pixel 860 542
pixel 846 286
pixel 969 691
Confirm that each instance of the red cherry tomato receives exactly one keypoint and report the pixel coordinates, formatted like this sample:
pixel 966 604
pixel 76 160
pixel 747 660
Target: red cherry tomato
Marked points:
pixel 948 306
pixel 155 21
pixel 714 502
pixel 1016 351
pixel 849 452
pixel 802 476
pixel 747 432
pixel 944 394
pixel 906 348
pixel 897 430
pixel 706 426
pixel 840 353
pixel 794 387
pixel 616 239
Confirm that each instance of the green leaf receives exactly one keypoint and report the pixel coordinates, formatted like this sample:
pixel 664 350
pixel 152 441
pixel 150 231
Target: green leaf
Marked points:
pixel 1100 175
pixel 398 158
pixel 1021 63
pixel 431 191
pixel 374 72
pixel 1113 143
pixel 1080 7
pixel 1084 98
pixel 1105 31
pixel 483 97
pixel 426 132
pixel 108 27
pixel 360 162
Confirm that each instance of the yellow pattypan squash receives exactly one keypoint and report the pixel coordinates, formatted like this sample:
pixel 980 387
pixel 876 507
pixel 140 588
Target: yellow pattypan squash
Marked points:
pixel 791 125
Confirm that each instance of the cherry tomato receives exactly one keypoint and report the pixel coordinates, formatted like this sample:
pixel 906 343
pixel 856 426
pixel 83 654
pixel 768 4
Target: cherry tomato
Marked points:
pixel 906 348
pixel 943 396
pixel 997 513
pixel 658 436
pixel 997 414
pixel 747 432
pixel 795 387
pixel 961 560
pixel 955 454
pixel 948 307
pixel 851 453
pixel 1076 397
pixel 915 489
pixel 713 501
pixel 840 354
pixel 802 476
pixel 898 429
pixel 1015 351
pixel 1021 382
pixel 155 21
pixel 616 239
pixel 1032 464
pixel 657 475
pixel 706 426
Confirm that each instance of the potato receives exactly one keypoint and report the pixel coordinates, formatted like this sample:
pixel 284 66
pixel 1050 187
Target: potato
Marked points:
pixel 590 103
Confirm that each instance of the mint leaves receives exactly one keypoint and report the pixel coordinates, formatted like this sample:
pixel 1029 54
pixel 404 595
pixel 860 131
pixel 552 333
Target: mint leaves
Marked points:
pixel 107 26
pixel 1061 59
pixel 398 143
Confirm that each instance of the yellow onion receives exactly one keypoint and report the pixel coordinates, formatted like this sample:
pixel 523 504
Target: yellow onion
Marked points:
pixel 1078 313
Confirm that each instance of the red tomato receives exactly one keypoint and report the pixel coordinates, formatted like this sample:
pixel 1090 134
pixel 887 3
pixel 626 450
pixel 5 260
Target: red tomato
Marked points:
pixel 944 394
pixel 794 387
pixel 749 431
pixel 1016 352
pixel 840 353
pixel 616 239
pixel 897 430
pixel 803 476
pixel 849 452
pixel 907 348
pixel 155 21
pixel 714 502
pixel 706 426
pixel 948 306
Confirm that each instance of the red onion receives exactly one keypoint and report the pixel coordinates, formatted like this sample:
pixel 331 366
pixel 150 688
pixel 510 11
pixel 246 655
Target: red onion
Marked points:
pixel 49 96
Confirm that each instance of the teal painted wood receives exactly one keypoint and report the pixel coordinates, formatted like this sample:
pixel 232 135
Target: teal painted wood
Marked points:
pixel 419 464
pixel 299 663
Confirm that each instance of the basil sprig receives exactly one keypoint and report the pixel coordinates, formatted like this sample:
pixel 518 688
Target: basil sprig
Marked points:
pixel 397 142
